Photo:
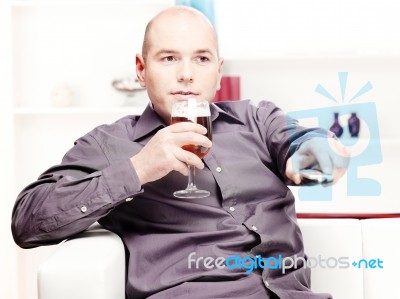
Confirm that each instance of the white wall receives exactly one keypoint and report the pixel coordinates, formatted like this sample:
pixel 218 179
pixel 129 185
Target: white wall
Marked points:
pixel 291 82
pixel 308 28
pixel 283 49
pixel 83 44
pixel 8 259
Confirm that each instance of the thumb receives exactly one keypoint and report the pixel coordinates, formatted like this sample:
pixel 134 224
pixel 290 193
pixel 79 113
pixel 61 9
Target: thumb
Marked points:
pixel 292 171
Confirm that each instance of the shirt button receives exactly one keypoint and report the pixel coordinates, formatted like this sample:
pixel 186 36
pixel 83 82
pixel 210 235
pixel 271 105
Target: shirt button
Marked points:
pixel 83 209
pixel 128 199
pixel 232 209
pixel 218 169
pixel 254 228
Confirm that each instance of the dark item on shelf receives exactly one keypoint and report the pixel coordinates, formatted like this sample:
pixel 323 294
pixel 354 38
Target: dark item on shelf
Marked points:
pixel 336 127
pixel 354 125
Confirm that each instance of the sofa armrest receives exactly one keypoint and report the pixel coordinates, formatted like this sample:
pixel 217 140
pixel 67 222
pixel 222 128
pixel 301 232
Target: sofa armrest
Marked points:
pixel 381 239
pixel 325 242
pixel 91 265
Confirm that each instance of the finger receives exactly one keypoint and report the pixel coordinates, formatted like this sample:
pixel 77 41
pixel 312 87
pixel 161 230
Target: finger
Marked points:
pixel 192 138
pixel 292 171
pixel 297 162
pixel 325 163
pixel 339 148
pixel 341 155
pixel 303 158
pixel 187 157
pixel 338 173
pixel 187 127
pixel 181 167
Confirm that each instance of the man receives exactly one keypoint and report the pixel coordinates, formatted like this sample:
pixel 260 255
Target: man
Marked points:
pixel 123 175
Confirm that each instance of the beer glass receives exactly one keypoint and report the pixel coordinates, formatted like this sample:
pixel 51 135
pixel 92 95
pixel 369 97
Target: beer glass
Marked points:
pixel 197 111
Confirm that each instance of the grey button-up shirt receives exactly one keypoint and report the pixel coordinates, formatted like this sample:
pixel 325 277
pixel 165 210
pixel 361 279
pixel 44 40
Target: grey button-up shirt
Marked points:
pixel 183 248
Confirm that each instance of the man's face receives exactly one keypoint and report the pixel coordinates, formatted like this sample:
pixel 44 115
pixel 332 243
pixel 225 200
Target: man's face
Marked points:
pixel 181 62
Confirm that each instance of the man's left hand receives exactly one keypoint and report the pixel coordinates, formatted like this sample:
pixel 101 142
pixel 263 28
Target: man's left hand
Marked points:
pixel 327 155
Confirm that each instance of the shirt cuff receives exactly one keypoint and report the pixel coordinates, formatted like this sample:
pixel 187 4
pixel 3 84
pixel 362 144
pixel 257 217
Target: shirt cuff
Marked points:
pixel 122 181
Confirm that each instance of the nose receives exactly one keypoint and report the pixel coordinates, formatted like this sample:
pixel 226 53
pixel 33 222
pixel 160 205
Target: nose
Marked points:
pixel 185 72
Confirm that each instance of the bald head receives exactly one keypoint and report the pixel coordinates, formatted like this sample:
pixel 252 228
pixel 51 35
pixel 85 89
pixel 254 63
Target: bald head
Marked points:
pixel 182 16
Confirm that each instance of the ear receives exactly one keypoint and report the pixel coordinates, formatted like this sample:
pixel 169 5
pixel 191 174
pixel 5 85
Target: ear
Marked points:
pixel 220 72
pixel 140 70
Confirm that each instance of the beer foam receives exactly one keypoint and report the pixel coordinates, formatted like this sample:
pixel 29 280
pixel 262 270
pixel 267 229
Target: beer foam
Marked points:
pixel 191 108
pixel 203 107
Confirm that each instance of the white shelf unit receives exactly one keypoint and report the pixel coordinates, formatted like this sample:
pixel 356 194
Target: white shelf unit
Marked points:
pixel 84 111
pixel 83 45
pixel 42 3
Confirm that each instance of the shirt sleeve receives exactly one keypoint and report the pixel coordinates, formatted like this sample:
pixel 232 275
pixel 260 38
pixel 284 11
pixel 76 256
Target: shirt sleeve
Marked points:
pixel 68 198
pixel 283 135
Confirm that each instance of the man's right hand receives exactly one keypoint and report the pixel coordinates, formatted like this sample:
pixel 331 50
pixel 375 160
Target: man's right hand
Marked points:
pixel 164 153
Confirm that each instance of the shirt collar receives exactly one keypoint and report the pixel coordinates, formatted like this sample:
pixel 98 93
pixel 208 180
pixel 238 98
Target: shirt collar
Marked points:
pixel 149 121
pixel 222 110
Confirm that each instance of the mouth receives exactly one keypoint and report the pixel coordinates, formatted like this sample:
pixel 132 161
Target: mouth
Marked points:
pixel 184 93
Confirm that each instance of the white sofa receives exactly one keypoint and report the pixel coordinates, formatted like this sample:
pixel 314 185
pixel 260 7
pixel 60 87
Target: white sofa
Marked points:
pixel 93 264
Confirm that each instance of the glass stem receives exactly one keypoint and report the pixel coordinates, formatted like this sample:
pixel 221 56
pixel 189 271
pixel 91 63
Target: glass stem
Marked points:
pixel 191 184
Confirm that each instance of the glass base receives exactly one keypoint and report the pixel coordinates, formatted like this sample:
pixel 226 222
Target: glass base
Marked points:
pixel 191 193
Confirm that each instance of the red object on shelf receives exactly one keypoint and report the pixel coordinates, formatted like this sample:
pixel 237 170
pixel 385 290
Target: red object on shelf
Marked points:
pixel 345 215
pixel 230 89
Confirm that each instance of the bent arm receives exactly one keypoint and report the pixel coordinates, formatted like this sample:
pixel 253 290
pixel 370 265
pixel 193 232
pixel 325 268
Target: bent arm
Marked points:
pixel 68 198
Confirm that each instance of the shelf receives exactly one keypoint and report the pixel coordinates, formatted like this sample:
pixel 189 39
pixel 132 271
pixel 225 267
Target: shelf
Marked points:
pixel 33 3
pixel 123 110
pixel 354 56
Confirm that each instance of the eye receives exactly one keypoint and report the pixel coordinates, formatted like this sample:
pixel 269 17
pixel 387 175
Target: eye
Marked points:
pixel 202 59
pixel 169 58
